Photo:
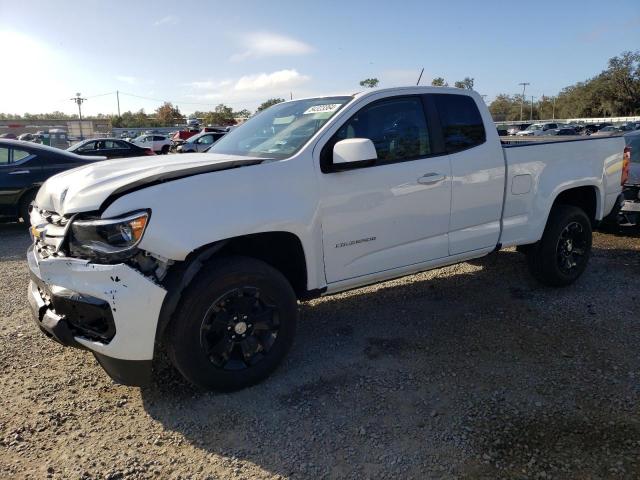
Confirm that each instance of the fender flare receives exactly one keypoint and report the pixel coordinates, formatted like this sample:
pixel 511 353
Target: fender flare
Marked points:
pixel 180 277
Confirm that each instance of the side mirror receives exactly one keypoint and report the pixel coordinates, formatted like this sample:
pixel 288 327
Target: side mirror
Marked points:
pixel 353 153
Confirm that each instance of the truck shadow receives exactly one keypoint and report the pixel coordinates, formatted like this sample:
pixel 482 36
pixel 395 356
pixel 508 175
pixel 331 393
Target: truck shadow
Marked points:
pixel 402 378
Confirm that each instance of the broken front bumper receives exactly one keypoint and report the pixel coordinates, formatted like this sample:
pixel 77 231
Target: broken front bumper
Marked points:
pixel 111 310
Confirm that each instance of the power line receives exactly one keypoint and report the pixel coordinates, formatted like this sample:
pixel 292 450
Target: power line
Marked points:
pixel 102 94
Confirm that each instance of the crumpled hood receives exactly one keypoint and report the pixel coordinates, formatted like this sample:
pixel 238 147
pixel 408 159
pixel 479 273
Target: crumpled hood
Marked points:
pixel 85 188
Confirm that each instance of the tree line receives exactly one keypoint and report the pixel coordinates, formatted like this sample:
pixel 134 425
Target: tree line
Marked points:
pixel 164 116
pixel 614 92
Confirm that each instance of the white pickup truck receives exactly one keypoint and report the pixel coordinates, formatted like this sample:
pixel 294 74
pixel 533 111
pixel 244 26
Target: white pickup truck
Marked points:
pixel 206 255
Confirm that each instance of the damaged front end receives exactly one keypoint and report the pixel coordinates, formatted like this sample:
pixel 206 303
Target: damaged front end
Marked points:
pixel 92 287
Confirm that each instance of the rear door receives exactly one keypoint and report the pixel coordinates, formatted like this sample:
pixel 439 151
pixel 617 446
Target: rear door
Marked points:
pixel 395 212
pixel 19 171
pixel 158 142
pixel 122 149
pixel 477 170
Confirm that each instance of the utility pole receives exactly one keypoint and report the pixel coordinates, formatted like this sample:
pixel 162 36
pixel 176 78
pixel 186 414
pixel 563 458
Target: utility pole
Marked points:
pixel 553 115
pixel 524 85
pixel 78 99
pixel 420 76
pixel 531 107
pixel 118 97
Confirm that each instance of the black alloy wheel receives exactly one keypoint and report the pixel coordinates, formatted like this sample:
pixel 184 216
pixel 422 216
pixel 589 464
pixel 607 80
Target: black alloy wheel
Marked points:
pixel 571 248
pixel 234 325
pixel 239 328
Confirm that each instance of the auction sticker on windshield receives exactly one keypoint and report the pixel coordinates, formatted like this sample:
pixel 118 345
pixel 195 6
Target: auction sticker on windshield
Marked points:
pixel 328 108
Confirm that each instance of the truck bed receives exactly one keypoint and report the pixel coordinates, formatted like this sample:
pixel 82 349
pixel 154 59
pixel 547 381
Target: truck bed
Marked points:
pixel 538 171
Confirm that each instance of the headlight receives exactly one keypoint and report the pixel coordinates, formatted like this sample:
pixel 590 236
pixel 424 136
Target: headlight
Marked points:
pixel 108 236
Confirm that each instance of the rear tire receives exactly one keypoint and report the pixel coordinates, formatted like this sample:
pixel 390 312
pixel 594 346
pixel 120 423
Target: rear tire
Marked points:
pixel 234 325
pixel 562 254
pixel 165 150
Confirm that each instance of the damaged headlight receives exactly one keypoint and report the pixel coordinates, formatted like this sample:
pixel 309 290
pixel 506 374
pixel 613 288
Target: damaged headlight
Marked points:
pixel 107 236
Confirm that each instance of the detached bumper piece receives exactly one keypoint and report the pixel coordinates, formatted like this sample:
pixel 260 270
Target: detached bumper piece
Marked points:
pixel 50 323
pixel 74 315
pixel 61 311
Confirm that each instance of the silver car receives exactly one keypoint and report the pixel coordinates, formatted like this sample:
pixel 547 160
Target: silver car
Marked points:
pixel 199 142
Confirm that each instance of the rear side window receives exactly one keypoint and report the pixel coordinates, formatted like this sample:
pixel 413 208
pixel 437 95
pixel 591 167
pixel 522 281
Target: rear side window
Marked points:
pixel 4 156
pixel 462 125
pixel 19 155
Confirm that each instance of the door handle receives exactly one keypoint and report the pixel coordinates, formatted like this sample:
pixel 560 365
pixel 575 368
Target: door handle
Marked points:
pixel 431 178
pixel 19 172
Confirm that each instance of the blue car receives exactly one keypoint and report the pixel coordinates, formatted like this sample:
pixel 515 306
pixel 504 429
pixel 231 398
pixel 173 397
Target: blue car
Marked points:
pixel 24 166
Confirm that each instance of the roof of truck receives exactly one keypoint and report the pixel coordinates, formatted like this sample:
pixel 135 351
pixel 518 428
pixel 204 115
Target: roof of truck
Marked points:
pixel 413 89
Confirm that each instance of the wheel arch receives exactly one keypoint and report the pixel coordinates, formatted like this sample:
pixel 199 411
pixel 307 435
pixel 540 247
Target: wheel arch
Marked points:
pixel 585 197
pixel 33 189
pixel 282 250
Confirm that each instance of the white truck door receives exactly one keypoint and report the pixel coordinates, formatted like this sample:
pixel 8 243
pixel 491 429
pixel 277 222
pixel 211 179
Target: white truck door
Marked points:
pixel 477 169
pixel 395 212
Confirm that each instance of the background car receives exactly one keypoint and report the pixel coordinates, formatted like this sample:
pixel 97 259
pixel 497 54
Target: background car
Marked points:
pixel 24 166
pixel 200 142
pixel 513 129
pixel 157 143
pixel 592 128
pixel 607 131
pixel 27 137
pixel 538 129
pixel 566 131
pixel 109 148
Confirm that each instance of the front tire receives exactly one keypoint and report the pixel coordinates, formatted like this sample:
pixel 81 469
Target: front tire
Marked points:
pixel 25 204
pixel 234 325
pixel 562 254
pixel 165 150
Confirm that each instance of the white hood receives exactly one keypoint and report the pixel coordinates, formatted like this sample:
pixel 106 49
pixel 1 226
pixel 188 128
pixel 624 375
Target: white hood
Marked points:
pixel 85 188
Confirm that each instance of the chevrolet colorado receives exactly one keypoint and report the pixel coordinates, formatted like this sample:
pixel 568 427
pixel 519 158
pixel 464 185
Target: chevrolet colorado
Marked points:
pixel 206 255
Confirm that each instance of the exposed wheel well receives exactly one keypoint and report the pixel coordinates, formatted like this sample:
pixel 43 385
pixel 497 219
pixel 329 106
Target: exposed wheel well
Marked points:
pixel 26 196
pixel 281 250
pixel 584 198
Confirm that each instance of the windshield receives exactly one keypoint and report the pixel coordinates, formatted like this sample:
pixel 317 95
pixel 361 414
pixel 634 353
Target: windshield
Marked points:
pixel 281 130
pixel 535 126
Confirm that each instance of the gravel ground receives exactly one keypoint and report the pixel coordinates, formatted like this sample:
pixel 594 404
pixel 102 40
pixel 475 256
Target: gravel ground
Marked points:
pixel 470 371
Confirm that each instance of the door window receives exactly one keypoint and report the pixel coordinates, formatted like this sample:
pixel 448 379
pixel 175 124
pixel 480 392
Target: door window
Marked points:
pixel 205 140
pixel 87 147
pixel 397 128
pixel 462 125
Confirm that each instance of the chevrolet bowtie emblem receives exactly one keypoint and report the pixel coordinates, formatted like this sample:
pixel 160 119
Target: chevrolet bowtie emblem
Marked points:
pixel 37 233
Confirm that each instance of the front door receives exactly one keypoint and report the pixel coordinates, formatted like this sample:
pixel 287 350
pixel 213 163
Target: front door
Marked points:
pixel 394 213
